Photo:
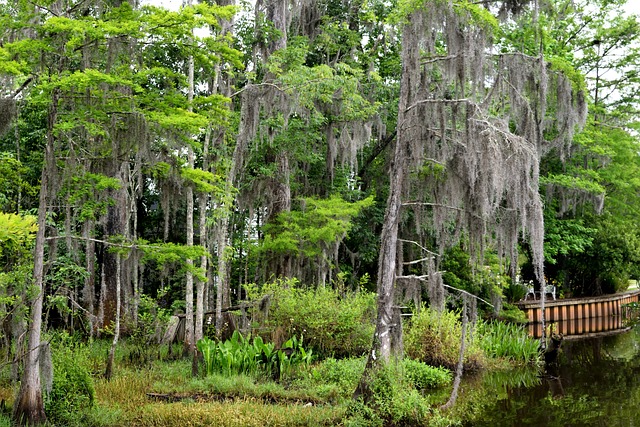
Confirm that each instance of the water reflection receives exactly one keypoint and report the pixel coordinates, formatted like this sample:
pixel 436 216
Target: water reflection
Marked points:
pixel 596 383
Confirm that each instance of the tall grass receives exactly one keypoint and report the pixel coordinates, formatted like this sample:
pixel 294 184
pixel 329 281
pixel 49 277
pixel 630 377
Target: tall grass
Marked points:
pixel 434 338
pixel 508 341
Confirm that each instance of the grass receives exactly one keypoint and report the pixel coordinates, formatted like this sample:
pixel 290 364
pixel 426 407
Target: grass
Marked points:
pixel 215 400
pixel 244 402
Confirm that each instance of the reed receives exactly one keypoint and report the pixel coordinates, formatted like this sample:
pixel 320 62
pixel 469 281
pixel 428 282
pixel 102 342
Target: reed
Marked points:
pixel 508 341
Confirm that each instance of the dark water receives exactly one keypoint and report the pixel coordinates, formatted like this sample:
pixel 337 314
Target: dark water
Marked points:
pixel 596 383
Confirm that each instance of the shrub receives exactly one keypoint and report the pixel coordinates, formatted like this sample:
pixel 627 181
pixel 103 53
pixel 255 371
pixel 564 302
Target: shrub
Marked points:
pixel 144 334
pixel 72 392
pixel 333 325
pixel 515 292
pixel 392 402
pixel 422 376
pixel 513 314
pixel 344 373
pixel 434 338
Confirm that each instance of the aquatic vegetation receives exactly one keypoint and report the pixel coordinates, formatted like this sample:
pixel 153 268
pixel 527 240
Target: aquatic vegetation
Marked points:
pixel 238 355
pixel 509 341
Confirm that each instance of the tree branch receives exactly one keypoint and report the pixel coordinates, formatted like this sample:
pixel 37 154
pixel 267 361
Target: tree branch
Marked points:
pixel 433 205
pixel 419 245
pixel 22 87
pixel 437 101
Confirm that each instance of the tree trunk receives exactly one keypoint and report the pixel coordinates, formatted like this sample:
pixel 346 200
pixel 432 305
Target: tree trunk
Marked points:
pixel 116 329
pixel 89 292
pixel 29 407
pixel 202 208
pixel 387 263
pixel 189 344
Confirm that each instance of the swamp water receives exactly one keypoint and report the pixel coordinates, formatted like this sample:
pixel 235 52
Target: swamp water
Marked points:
pixel 596 383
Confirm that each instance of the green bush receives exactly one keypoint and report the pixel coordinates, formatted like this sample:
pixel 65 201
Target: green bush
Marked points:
pixel 434 338
pixel 422 376
pixel 142 340
pixel 392 402
pixel 512 314
pixel 72 392
pixel 332 325
pixel 344 373
pixel 515 292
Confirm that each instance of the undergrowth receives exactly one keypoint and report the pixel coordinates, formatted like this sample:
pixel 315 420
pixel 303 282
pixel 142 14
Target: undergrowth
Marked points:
pixel 163 392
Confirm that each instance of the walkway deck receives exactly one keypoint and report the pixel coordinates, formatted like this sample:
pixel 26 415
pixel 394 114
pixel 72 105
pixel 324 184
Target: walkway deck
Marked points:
pixel 580 316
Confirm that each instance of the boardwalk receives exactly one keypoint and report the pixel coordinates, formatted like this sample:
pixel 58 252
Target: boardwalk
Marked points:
pixel 580 316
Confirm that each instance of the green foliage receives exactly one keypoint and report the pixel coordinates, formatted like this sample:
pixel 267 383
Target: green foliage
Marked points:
pixel 166 254
pixel 310 231
pixel 238 355
pixel 477 15
pixel 510 313
pixel 573 182
pixel 458 274
pixel 85 189
pixel 332 324
pixel 16 232
pixel 203 181
pixel 423 377
pixel 482 280
pixel 568 238
pixel 514 292
pixel 73 390
pixel 509 341
pixel 12 182
pixel 17 236
pixel 144 331
pixel 434 338
pixel 392 401
pixel 343 373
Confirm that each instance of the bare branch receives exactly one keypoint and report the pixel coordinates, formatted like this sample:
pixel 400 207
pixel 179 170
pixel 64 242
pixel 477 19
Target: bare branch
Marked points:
pixel 470 294
pixel 424 279
pixel 433 205
pixel 438 101
pixel 417 261
pixel 419 245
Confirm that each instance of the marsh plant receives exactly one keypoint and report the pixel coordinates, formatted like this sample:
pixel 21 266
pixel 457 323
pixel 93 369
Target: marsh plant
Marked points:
pixel 509 341
pixel 239 355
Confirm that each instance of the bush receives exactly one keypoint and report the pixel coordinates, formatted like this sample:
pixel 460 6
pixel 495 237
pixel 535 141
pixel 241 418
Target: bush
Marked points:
pixel 393 402
pixel 72 392
pixel 512 314
pixel 515 292
pixel 434 338
pixel 422 376
pixel 145 333
pixel 332 325
pixel 344 373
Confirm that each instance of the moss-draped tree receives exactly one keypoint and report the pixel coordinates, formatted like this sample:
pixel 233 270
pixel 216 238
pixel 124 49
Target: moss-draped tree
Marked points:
pixel 473 123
